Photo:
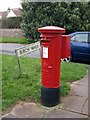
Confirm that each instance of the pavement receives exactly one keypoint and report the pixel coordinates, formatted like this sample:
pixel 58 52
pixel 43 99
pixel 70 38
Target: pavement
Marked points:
pixel 75 105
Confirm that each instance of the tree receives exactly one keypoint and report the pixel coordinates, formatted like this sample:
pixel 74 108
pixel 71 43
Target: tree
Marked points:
pixel 73 16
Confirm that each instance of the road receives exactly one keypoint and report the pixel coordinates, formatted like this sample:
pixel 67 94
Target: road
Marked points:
pixel 9 48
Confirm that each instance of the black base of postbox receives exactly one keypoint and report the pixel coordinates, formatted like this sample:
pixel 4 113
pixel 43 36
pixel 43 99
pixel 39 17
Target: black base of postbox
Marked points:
pixel 50 96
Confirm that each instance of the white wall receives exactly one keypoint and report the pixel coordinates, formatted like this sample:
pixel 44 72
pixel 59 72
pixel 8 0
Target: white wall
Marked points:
pixel 11 14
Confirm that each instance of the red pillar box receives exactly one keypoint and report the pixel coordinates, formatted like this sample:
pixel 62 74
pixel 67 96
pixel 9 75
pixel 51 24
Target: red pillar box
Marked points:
pixel 51 37
pixel 65 46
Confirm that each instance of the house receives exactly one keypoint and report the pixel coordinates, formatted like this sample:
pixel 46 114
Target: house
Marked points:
pixel 15 12
pixel 3 15
pixel 0 15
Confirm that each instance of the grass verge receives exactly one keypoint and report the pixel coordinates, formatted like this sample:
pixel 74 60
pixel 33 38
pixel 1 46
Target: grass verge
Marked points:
pixel 15 88
pixel 0 83
pixel 13 40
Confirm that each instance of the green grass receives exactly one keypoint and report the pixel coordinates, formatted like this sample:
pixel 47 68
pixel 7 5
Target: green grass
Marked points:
pixel 16 89
pixel 0 83
pixel 13 40
pixel 72 71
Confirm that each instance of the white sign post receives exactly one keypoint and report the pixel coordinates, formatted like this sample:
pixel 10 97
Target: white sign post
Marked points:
pixel 25 50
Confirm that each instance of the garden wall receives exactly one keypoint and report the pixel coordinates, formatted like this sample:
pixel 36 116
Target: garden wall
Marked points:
pixel 11 33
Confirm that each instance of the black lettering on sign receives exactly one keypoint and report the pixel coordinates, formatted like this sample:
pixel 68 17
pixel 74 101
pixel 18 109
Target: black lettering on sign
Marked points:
pixel 34 47
pixel 21 51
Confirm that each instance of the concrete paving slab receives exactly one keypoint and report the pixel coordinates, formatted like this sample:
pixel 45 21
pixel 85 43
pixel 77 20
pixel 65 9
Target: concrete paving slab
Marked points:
pixel 64 114
pixel 79 90
pixel 85 108
pixel 73 103
pixel 28 110
pixel 9 115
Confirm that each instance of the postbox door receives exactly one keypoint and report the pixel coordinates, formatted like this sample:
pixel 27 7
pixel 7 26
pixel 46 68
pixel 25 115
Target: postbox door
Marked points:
pixel 51 63
pixel 47 66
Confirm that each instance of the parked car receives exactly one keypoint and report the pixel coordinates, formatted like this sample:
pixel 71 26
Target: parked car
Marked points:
pixel 80 46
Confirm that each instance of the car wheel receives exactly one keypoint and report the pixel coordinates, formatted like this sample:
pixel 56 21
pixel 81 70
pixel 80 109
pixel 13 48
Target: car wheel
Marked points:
pixel 66 59
pixel 69 59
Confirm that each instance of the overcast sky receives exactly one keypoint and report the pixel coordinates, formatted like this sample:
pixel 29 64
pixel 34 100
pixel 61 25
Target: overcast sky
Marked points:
pixel 4 4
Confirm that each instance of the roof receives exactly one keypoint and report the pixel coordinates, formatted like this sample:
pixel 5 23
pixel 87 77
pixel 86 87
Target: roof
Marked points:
pixel 82 32
pixel 17 12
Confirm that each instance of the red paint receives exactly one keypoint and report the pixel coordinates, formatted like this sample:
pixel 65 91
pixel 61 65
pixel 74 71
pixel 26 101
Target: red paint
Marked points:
pixel 65 46
pixel 51 38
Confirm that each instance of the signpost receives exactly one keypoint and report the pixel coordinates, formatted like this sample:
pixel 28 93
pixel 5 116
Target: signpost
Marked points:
pixel 25 50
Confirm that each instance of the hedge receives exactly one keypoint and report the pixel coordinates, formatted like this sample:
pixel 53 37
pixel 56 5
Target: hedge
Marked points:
pixel 12 22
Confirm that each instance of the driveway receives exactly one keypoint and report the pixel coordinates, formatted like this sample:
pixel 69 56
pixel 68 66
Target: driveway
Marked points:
pixel 9 48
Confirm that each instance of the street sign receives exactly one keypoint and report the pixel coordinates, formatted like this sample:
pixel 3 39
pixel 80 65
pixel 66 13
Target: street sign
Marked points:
pixel 27 49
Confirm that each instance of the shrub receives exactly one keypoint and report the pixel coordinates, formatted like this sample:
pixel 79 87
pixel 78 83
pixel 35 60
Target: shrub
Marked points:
pixel 12 22
pixel 68 15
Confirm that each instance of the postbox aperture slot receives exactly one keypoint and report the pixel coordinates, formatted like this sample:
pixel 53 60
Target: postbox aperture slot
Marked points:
pixel 44 40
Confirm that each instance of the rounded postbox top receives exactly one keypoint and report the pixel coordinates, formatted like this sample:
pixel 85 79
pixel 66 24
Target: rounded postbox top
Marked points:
pixel 51 29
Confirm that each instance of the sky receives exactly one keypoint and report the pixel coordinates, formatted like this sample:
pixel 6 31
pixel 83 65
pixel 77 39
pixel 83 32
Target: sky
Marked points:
pixel 4 4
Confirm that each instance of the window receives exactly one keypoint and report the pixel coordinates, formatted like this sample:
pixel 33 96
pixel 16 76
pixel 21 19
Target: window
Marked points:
pixel 83 38
pixel 89 38
pixel 73 38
